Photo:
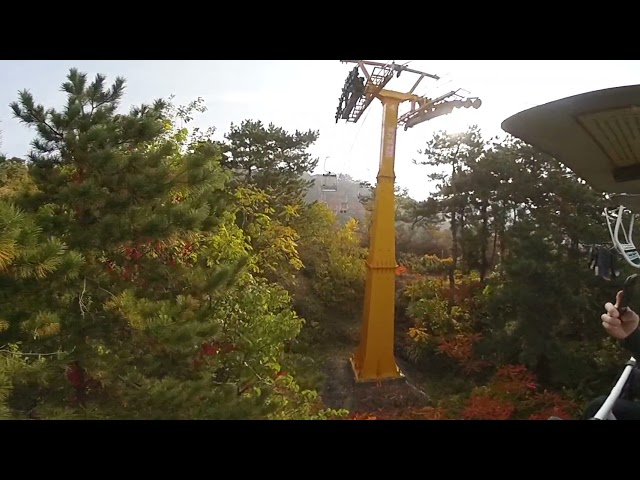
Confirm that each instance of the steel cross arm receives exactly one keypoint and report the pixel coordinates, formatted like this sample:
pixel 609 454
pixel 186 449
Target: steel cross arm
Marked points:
pixel 428 103
pixel 394 66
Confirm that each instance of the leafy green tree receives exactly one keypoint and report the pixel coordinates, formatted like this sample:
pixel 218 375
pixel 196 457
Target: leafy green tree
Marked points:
pixel 545 276
pixel 14 178
pixel 455 152
pixel 333 258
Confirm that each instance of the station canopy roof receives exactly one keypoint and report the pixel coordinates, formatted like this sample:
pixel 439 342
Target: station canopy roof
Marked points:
pixel 595 134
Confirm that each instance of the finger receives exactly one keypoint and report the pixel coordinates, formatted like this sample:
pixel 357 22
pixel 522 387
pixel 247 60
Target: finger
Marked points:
pixel 611 309
pixel 609 320
pixel 610 328
pixel 619 296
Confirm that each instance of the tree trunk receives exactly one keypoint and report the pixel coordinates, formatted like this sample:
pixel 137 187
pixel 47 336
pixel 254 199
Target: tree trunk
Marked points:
pixel 484 240
pixel 543 368
pixel 503 247
pixel 492 262
pixel 574 250
pixel 464 257
pixel 454 246
pixel 454 264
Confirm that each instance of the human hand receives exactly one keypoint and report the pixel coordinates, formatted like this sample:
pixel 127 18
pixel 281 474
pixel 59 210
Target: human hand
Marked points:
pixel 615 325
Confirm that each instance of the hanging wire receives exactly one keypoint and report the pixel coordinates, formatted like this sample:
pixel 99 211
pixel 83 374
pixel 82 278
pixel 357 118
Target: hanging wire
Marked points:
pixel 439 86
pixel 364 120
pixel 324 164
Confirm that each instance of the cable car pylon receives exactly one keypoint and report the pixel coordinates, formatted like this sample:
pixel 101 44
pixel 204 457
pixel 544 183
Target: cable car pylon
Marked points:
pixel 374 358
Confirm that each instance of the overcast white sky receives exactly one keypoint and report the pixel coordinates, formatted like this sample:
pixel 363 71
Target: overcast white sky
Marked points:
pixel 303 94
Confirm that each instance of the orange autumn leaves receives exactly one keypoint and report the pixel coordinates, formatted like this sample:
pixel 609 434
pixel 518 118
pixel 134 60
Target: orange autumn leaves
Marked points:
pixel 513 394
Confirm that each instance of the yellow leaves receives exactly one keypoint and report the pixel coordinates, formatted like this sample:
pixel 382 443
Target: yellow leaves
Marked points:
pixel 350 229
pixel 334 257
pixel 4 326
pixel 290 212
pixel 416 289
pixel 430 260
pixel 418 335
pixel 268 235
pixel 447 262
pixel 253 199
pixel 296 263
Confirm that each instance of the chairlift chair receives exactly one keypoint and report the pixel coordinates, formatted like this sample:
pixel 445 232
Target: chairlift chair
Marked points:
pixel 626 247
pixel 329 182
pixel 364 189
pixel 344 206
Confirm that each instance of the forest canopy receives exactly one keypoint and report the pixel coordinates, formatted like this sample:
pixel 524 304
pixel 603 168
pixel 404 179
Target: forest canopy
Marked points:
pixel 150 271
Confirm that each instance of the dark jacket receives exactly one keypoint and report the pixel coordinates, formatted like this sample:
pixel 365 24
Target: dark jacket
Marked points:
pixel 632 343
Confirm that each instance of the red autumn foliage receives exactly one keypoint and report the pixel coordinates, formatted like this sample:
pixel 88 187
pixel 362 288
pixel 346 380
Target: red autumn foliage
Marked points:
pixel 482 407
pixel 514 381
pixel 463 290
pixel 512 394
pixel 401 270
pixel 221 347
pixel 516 386
pixel 134 252
pixel 547 404
pixel 82 383
pixel 362 416
pixel 213 349
pixel 460 348
pixel 75 375
pixel 210 349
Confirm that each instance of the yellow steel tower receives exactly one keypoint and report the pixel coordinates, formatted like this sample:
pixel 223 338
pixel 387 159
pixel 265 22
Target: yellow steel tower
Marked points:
pixel 374 359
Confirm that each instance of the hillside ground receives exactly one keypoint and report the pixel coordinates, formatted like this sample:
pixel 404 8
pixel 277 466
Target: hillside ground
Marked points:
pixel 327 348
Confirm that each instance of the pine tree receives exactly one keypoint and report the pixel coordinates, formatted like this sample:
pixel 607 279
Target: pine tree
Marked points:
pixel 28 261
pixel 271 159
pixel 27 258
pixel 138 205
